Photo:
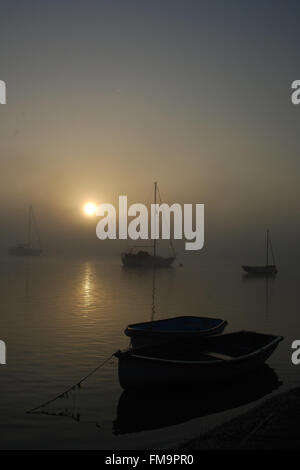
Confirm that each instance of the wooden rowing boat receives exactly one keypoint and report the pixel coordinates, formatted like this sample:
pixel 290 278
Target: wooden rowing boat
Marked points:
pixel 214 358
pixel 183 327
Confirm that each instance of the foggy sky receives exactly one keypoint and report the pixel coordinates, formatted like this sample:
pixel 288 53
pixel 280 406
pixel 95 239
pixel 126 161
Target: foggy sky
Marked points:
pixel 105 97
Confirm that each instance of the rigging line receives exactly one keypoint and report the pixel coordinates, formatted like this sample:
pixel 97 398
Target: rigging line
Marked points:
pixel 78 384
pixel 148 201
pixel 160 198
pixel 29 225
pixel 170 241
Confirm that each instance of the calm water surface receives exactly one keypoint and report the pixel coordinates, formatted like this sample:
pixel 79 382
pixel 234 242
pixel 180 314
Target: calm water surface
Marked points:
pixel 61 317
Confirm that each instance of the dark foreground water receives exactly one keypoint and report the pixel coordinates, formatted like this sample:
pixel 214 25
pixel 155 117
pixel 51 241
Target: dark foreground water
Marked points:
pixel 61 317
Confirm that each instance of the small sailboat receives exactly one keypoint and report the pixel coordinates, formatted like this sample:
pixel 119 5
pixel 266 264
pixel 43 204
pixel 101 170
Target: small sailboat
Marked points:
pixel 213 359
pixel 27 249
pixel 145 259
pixel 267 269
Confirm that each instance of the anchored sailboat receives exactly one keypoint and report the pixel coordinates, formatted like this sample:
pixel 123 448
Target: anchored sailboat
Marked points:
pixel 27 249
pixel 144 258
pixel 268 269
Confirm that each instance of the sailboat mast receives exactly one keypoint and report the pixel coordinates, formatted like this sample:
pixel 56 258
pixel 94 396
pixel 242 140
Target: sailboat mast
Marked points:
pixel 267 247
pixel 154 241
pixel 29 227
pixel 272 251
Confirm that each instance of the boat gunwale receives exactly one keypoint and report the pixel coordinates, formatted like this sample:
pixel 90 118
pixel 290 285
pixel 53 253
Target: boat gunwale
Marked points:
pixel 274 342
pixel 258 266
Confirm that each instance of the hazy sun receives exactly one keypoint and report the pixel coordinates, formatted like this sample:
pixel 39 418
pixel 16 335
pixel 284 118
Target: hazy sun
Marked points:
pixel 89 208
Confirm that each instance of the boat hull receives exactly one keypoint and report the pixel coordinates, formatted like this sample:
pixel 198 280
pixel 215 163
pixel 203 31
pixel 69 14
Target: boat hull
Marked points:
pixel 146 261
pixel 177 328
pixel 24 251
pixel 139 371
pixel 269 270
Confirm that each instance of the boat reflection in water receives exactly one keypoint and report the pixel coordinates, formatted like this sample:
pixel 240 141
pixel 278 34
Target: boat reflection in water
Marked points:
pixel 162 408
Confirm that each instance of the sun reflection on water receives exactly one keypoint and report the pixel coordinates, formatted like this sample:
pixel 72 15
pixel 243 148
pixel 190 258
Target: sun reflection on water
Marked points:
pixel 87 289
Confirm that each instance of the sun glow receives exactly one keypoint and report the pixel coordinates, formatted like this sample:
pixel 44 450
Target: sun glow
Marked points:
pixel 90 209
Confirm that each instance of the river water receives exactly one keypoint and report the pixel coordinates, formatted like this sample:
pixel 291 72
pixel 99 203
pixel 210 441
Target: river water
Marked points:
pixel 61 317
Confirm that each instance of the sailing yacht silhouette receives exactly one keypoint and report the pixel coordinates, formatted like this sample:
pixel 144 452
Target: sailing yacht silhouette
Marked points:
pixel 26 249
pixel 144 258
pixel 267 269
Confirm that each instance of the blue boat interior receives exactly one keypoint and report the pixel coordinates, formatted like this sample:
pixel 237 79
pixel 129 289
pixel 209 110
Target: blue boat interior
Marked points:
pixel 187 323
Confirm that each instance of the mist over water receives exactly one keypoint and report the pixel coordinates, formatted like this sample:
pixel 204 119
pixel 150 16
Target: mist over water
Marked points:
pixel 141 101
pixel 103 99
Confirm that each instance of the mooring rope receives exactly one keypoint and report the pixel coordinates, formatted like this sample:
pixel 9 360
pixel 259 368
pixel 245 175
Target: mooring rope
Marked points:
pixel 77 385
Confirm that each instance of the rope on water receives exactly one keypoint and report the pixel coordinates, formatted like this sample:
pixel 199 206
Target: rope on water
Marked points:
pixel 74 387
